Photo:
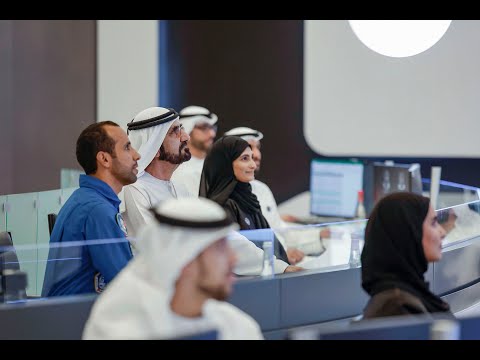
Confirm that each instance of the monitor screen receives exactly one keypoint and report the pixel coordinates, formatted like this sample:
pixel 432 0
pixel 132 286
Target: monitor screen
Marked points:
pixel 393 177
pixel 334 186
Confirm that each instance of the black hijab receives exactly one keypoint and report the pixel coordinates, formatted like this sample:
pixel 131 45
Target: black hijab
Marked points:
pixel 218 182
pixel 393 255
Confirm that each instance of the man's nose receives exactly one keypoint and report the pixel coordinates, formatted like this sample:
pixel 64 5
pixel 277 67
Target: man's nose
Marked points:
pixel 136 155
pixel 184 136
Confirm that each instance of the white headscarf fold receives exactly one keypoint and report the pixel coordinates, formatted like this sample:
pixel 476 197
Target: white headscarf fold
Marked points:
pixel 148 141
pixel 166 249
pixel 199 115
pixel 136 304
pixel 245 133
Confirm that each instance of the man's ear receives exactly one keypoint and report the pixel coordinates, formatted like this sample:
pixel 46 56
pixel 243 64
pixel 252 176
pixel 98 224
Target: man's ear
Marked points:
pixel 104 159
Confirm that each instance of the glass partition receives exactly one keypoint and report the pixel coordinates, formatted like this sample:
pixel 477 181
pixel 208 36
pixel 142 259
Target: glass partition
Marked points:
pixel 22 225
pixel 323 245
pixel 451 194
pixel 69 178
pixel 24 216
pixel 49 202
pixel 460 222
pixel 66 193
pixel 3 213
pixel 17 272
pixel 62 269
pixel 326 247
pixel 254 251
pixel 67 269
pixel 333 244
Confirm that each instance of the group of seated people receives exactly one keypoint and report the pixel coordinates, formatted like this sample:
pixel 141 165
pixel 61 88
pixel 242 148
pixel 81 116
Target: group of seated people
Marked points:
pixel 176 231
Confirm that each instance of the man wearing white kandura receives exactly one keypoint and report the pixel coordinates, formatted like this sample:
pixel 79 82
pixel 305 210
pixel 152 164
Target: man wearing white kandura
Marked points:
pixel 178 282
pixel 163 144
pixel 201 125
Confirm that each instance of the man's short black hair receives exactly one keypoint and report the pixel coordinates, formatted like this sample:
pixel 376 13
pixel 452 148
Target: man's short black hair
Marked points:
pixel 94 138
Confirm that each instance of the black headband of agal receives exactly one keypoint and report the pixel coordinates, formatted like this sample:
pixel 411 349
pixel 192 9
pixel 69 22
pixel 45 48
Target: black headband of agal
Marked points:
pixel 192 224
pixel 157 120
pixel 209 115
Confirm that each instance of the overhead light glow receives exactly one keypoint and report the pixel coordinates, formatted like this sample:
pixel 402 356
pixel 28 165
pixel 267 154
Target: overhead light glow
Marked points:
pixel 399 38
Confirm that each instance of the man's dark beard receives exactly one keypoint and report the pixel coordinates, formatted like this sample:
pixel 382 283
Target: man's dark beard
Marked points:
pixel 200 145
pixel 176 158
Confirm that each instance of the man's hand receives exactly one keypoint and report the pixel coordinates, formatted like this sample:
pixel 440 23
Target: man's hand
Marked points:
pixel 293 268
pixel 294 255
pixel 289 218
pixel 325 233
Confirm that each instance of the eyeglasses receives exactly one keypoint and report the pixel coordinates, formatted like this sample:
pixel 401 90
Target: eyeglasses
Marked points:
pixel 204 126
pixel 177 130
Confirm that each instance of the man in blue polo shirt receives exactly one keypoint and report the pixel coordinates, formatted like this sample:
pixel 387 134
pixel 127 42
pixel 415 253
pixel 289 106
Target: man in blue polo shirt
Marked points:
pixel 92 213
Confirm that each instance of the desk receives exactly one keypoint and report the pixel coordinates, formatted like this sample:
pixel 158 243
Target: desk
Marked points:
pixel 337 245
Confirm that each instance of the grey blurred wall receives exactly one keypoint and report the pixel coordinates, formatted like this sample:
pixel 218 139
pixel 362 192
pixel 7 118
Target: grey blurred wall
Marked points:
pixel 47 96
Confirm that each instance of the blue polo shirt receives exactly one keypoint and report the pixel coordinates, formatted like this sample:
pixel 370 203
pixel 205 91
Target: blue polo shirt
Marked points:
pixel 91 213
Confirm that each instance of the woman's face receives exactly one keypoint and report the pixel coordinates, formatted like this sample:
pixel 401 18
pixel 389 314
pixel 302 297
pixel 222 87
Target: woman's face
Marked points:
pixel 433 234
pixel 244 166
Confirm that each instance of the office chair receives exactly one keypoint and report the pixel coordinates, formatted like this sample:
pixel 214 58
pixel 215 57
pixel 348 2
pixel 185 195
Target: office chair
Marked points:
pixel 8 255
pixel 13 281
pixel 51 222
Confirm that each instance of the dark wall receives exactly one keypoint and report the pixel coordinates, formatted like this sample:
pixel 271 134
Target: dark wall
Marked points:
pixel 6 130
pixel 251 74
pixel 47 98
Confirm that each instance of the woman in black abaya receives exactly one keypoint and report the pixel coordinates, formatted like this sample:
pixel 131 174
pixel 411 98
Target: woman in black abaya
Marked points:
pixel 402 236
pixel 226 175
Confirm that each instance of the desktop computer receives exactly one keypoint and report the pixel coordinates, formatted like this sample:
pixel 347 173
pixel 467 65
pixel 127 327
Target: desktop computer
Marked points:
pixel 334 186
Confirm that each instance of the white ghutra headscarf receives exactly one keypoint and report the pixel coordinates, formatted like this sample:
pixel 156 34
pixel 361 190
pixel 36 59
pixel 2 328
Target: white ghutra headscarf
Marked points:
pixel 245 133
pixel 193 115
pixel 136 304
pixel 147 131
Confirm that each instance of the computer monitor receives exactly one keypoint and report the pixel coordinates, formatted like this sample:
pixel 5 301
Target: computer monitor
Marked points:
pixel 334 186
pixel 413 327
pixel 211 334
pixel 390 177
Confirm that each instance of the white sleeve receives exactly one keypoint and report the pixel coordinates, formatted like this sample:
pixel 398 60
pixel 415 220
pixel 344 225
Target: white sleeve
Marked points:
pixel 250 257
pixel 268 204
pixel 276 219
pixel 137 211
pixel 270 209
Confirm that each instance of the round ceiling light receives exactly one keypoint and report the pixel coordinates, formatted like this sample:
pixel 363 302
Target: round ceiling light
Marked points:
pixel 399 38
